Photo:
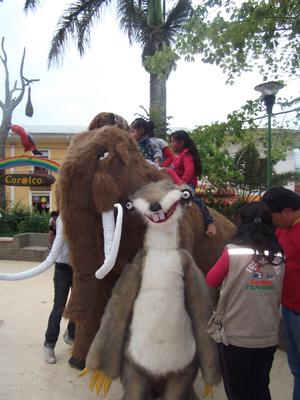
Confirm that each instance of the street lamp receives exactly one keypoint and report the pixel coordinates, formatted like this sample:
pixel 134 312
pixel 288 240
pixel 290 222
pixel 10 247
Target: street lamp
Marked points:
pixel 269 91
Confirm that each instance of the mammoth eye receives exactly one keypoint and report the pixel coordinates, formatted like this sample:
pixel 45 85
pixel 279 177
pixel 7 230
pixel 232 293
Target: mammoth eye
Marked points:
pixel 186 195
pixel 102 155
pixel 129 205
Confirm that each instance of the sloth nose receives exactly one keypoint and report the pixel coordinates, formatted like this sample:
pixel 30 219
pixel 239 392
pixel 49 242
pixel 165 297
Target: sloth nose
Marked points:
pixel 154 206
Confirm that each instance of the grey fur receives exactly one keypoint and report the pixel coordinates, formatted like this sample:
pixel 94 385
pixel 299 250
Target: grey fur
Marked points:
pixel 108 350
pixel 200 306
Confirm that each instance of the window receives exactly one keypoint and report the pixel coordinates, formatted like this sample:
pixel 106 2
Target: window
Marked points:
pixel 40 201
pixel 41 170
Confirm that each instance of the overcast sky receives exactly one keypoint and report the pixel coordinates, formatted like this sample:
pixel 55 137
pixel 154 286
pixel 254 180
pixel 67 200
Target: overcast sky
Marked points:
pixel 110 76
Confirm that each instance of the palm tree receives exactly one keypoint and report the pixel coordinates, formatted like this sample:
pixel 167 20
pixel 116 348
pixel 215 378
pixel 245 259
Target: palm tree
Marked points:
pixel 146 22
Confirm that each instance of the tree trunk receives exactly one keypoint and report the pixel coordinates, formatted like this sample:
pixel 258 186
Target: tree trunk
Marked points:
pixel 158 101
pixel 4 129
pixel 13 97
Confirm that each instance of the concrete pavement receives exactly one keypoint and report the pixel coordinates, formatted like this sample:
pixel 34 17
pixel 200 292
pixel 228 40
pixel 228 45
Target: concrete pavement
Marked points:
pixel 24 310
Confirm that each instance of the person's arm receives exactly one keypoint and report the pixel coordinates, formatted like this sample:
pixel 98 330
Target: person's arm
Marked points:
pixel 219 271
pixel 156 151
pixel 174 176
pixel 168 157
pixel 189 168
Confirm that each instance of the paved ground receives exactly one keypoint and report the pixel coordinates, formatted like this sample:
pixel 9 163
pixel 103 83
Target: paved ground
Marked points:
pixel 24 310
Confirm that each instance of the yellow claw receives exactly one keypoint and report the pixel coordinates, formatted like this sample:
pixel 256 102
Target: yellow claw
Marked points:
pixel 99 380
pixel 96 375
pixel 84 372
pixel 208 390
pixel 106 385
pixel 99 383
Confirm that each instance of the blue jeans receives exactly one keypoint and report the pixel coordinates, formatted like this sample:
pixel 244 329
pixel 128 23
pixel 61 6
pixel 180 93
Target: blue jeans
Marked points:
pixel 291 321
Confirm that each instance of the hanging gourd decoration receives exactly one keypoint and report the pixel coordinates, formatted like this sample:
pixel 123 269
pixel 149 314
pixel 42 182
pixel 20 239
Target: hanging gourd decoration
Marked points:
pixel 29 108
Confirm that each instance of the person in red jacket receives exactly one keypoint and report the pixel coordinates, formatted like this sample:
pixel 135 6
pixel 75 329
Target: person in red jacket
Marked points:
pixel 285 208
pixel 187 166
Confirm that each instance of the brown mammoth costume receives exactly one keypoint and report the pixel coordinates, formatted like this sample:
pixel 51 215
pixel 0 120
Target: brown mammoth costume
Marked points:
pixel 102 167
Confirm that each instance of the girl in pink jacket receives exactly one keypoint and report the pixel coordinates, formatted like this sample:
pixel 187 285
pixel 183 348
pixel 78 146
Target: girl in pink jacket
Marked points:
pixel 187 166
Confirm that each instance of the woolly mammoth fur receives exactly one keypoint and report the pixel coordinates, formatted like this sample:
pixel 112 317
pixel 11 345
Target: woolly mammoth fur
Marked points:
pixel 89 185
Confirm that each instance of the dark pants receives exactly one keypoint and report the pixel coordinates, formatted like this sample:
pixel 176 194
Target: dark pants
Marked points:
pixel 208 218
pixel 62 284
pixel 246 372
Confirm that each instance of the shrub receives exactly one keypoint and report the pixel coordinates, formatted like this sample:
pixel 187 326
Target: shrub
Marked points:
pixel 20 219
pixel 34 223
pixel 230 210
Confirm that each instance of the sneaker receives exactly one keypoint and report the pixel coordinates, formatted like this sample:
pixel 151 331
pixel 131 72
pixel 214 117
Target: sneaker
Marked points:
pixel 49 355
pixel 68 339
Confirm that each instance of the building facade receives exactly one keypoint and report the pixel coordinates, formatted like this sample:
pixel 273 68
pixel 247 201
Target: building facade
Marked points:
pixel 52 142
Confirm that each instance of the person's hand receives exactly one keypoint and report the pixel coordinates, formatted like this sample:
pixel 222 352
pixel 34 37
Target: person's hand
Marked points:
pixel 211 229
pixel 99 380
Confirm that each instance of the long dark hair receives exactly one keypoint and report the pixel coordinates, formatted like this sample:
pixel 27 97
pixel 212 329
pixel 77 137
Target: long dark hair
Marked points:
pixel 188 143
pixel 256 231
pixel 148 126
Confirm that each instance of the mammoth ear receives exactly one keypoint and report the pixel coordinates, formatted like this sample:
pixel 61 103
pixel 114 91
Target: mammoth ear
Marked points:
pixel 123 152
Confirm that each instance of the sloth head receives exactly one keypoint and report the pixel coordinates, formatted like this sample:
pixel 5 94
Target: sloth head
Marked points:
pixel 161 202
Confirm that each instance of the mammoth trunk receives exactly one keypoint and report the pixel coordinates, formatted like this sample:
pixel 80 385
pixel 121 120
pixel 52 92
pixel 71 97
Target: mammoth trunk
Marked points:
pixel 112 237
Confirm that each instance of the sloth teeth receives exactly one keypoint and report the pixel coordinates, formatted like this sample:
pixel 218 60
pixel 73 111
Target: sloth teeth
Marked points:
pixel 155 217
pixel 158 216
pixel 162 216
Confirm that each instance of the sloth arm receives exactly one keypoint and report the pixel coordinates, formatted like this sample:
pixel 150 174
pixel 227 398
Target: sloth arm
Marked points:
pixel 199 306
pixel 107 349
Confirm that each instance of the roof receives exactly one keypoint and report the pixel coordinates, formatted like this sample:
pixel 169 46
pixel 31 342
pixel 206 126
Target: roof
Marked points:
pixel 52 132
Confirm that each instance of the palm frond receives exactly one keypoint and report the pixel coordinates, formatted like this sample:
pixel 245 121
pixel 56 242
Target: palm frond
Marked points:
pixel 133 20
pixel 177 18
pixel 75 22
pixel 31 4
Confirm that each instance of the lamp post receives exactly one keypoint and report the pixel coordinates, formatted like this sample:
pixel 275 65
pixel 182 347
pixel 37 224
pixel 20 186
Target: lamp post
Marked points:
pixel 269 91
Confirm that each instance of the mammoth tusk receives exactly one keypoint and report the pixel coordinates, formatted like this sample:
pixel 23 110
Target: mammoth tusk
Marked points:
pixel 43 266
pixel 110 258
pixel 108 223
pixel 30 273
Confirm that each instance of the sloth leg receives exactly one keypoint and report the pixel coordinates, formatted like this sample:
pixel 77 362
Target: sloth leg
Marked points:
pixel 180 386
pixel 135 384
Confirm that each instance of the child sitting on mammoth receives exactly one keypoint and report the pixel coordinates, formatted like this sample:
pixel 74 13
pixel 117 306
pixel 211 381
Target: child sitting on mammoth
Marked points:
pixel 187 165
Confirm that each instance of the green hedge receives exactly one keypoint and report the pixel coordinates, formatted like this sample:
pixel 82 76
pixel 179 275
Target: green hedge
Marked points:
pixel 20 219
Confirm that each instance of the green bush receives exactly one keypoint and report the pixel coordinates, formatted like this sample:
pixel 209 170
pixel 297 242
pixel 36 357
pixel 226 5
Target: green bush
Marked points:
pixel 34 223
pixel 20 219
pixel 7 225
pixel 230 210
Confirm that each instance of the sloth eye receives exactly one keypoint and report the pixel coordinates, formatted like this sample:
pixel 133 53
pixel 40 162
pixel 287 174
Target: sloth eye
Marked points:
pixel 129 205
pixel 186 195
pixel 102 155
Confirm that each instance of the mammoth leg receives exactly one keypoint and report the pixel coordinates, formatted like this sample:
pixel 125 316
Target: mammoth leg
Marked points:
pixel 86 306
pixel 180 386
pixel 135 384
